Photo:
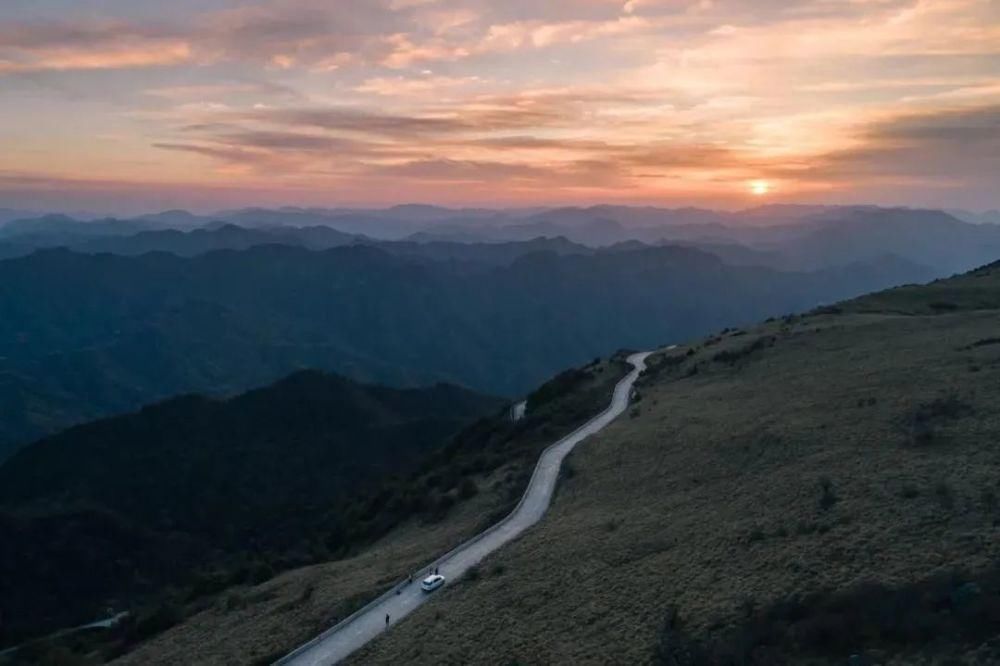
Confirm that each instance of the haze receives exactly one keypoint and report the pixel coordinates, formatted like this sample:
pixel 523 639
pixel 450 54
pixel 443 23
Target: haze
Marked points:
pixel 126 105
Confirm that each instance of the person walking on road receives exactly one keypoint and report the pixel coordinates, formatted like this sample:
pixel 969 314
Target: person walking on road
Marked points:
pixel 386 620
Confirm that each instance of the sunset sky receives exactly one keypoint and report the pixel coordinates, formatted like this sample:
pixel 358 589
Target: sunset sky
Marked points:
pixel 129 105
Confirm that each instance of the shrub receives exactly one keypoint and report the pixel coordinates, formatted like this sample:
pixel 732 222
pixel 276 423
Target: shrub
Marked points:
pixel 946 610
pixel 990 500
pixel 440 505
pixel 154 620
pixel 940 410
pixel 307 592
pixel 827 496
pixel 922 433
pixel 732 356
pixel 946 408
pixel 943 306
pixel 234 601
pixel 467 488
pixel 945 496
pixel 207 583
pixel 660 364
pixel 261 573
pixel 558 386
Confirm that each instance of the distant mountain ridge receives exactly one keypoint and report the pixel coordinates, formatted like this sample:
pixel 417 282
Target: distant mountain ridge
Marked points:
pixel 787 237
pixel 498 318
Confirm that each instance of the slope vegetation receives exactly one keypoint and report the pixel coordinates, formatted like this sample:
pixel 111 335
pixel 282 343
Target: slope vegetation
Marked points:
pixel 814 490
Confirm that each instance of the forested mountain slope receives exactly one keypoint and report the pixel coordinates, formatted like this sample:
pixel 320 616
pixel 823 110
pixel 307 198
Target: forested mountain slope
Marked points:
pixel 112 511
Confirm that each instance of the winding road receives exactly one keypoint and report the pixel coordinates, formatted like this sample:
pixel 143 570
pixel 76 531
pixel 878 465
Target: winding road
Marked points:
pixel 355 631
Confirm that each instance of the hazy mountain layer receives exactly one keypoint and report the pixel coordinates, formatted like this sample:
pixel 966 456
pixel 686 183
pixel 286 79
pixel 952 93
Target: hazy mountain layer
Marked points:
pixel 83 336
pixel 783 237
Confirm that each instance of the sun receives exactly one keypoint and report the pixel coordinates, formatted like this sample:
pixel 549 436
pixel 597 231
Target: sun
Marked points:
pixel 759 188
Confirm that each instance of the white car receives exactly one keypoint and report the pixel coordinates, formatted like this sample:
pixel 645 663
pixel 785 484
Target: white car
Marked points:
pixel 432 583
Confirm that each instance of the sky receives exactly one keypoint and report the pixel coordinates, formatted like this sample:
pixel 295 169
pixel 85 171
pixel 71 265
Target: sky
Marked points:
pixel 136 105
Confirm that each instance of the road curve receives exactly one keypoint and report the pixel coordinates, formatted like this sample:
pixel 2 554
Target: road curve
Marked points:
pixel 355 631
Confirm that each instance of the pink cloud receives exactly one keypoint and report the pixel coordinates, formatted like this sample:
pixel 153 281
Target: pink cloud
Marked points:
pixel 570 96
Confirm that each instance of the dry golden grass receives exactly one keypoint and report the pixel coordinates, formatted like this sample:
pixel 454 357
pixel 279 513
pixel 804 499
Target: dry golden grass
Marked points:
pixel 710 496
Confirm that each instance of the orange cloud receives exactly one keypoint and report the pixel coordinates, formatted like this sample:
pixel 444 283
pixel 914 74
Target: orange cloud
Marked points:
pixel 574 98
pixel 116 57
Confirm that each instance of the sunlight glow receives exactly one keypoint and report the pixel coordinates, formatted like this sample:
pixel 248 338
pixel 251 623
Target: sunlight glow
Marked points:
pixel 466 102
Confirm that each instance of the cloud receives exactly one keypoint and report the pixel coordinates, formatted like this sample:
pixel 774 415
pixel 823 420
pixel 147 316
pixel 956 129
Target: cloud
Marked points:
pixel 480 115
pixel 106 45
pixel 286 34
pixel 225 154
pixel 356 120
pixel 224 90
pixel 619 96
pixel 952 148
pixel 960 127
pixel 294 142
pixel 409 87
pixel 281 33
pixel 514 175
pixel 459 170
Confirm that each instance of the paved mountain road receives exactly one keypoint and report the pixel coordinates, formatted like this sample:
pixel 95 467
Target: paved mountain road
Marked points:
pixel 349 635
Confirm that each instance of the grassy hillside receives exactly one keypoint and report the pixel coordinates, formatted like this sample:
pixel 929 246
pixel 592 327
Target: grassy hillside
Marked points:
pixel 801 492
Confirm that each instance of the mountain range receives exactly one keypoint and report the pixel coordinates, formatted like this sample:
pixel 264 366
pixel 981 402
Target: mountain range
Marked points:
pixel 783 237
pixel 88 335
